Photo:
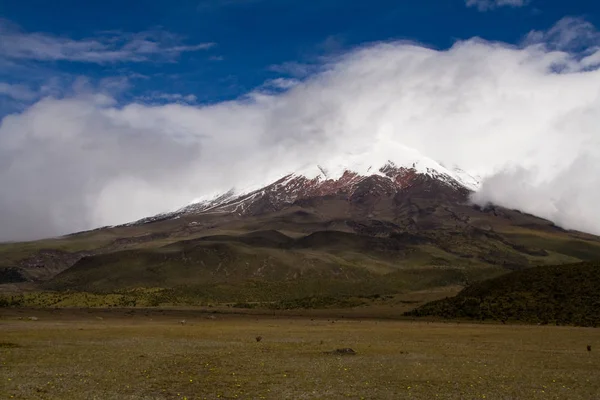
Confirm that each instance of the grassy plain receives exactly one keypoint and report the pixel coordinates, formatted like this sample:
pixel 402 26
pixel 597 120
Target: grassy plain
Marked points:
pixel 148 354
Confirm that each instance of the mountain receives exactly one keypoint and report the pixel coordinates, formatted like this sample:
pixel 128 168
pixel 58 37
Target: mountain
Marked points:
pixel 339 229
pixel 354 180
pixel 296 187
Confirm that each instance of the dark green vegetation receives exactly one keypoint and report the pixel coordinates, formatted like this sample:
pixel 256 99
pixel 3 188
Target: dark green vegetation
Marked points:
pixel 148 354
pixel 566 294
pixel 331 251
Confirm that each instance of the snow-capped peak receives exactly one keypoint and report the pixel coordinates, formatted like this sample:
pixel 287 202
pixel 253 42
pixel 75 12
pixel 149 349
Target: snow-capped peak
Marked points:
pixel 394 164
pixel 372 162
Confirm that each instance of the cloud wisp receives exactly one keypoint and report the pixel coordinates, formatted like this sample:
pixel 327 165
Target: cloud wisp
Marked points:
pixel 17 91
pixel 105 48
pixel 524 118
pixel 168 98
pixel 486 5
pixel 568 34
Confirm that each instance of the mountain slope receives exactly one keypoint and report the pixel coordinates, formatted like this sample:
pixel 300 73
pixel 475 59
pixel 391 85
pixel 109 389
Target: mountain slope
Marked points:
pixel 566 294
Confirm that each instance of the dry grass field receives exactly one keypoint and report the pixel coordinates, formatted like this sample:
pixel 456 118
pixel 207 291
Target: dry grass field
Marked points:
pixel 140 354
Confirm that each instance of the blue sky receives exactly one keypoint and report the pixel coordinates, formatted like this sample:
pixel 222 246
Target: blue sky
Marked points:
pixel 247 42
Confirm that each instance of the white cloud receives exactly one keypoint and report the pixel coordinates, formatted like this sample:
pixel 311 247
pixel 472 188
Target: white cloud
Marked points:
pixel 281 83
pixel 496 110
pixel 567 34
pixel 17 91
pixel 108 47
pixel 486 5
pixel 568 197
pixel 168 97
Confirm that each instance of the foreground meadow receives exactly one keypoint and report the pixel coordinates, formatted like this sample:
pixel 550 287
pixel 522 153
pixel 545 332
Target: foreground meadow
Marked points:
pixel 101 354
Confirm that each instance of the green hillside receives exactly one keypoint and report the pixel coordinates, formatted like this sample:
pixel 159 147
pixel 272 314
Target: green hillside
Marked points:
pixel 563 295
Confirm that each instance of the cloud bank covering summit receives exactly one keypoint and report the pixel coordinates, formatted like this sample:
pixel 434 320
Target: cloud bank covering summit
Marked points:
pixel 103 126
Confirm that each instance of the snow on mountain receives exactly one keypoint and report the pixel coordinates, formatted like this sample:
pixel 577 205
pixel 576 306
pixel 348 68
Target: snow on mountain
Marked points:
pixel 390 168
pixel 395 167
